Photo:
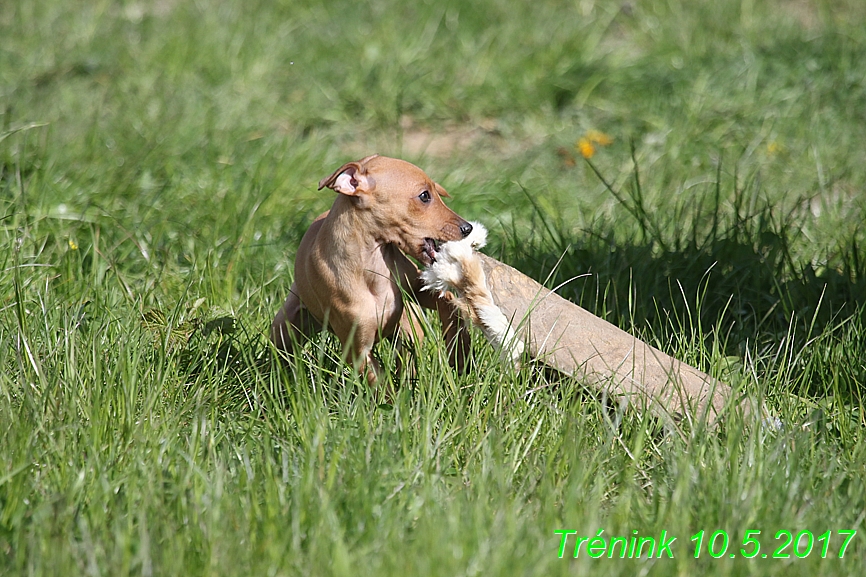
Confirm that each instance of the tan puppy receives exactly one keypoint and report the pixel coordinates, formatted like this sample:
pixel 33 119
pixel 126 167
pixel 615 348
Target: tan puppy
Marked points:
pixel 351 265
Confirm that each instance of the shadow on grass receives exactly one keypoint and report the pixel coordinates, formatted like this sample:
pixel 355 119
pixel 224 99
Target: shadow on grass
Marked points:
pixel 731 280
pixel 751 282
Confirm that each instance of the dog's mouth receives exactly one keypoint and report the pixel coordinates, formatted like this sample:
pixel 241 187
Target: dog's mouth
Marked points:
pixel 428 251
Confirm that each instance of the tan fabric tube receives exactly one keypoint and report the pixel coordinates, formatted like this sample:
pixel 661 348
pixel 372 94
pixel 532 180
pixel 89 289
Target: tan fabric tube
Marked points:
pixel 570 339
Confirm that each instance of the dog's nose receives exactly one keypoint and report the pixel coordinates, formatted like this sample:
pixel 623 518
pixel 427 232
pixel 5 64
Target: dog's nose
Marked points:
pixel 465 229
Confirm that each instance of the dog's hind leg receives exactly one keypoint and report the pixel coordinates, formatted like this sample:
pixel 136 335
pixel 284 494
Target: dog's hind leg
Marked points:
pixel 293 325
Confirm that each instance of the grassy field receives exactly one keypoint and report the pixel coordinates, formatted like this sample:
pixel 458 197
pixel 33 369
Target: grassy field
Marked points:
pixel 158 166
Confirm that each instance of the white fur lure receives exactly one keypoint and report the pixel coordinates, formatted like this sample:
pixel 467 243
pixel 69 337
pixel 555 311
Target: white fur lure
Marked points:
pixel 458 268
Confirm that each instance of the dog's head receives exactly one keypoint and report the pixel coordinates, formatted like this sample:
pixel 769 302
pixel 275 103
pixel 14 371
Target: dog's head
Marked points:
pixel 403 205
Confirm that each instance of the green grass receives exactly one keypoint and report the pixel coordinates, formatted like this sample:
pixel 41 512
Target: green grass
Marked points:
pixel 158 166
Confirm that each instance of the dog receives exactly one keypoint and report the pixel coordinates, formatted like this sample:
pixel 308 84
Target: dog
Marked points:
pixel 352 270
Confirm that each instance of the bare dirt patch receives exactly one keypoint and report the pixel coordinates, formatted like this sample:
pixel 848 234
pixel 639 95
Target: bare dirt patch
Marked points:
pixel 417 141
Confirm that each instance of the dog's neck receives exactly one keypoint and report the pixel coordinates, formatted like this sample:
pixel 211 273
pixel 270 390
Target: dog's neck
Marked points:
pixel 348 222
pixel 353 238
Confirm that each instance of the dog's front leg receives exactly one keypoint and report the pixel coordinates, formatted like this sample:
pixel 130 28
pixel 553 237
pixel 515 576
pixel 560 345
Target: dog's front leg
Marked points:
pixel 454 327
pixel 358 341
pixel 456 332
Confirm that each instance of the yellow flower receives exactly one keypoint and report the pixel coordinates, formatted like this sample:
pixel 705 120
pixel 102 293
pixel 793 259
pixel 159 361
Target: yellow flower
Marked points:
pixel 599 137
pixel 774 147
pixel 587 143
pixel 72 245
pixel 585 147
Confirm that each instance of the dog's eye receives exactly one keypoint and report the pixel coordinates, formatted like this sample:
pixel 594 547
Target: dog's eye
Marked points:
pixel 425 196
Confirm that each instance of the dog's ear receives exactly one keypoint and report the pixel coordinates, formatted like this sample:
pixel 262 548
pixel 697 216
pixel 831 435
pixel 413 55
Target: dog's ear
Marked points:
pixel 350 179
pixel 441 191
